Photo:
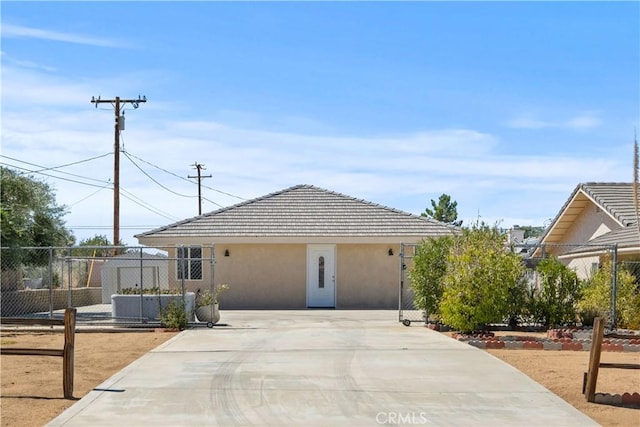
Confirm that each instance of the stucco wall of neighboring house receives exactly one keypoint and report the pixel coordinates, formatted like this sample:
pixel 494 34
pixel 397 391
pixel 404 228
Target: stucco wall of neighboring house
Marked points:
pixel 584 266
pixel 367 277
pixel 591 223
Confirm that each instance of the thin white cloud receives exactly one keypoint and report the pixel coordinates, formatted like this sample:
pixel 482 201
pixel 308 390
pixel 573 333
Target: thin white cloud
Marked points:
pixel 403 171
pixel 582 121
pixel 19 31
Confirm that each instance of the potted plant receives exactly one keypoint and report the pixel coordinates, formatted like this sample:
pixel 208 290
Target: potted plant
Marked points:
pixel 208 303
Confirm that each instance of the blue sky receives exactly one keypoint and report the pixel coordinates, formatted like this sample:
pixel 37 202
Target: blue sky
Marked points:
pixel 505 106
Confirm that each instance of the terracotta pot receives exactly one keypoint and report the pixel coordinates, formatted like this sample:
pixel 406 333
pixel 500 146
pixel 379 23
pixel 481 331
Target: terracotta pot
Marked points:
pixel 208 313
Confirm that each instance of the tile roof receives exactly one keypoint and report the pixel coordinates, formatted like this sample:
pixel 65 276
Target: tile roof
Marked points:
pixel 624 237
pixel 304 211
pixel 615 198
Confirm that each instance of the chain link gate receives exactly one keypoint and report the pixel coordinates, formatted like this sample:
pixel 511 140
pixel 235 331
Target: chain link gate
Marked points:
pixel 407 311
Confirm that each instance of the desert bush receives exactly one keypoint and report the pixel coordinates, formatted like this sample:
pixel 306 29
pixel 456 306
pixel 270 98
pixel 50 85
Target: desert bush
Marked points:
pixel 174 316
pixel 554 301
pixel 597 297
pixel 480 277
pixel 429 266
pixel 150 291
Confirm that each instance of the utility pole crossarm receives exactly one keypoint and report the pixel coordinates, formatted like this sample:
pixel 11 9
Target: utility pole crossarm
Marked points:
pixel 200 177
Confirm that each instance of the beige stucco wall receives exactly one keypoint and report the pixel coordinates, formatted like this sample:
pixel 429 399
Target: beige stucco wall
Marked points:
pixel 273 276
pixel 591 223
pixel 367 277
pixel 267 276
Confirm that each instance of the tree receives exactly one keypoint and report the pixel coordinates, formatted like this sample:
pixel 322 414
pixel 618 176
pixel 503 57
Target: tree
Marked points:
pixel 480 278
pixel 532 231
pixel 555 302
pixel 30 217
pixel 445 210
pixel 99 244
pixel 429 266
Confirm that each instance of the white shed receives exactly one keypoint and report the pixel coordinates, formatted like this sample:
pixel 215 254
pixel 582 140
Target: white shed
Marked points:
pixel 134 271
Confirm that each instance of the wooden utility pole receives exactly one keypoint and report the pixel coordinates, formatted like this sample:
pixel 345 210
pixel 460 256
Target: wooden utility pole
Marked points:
pixel 119 126
pixel 199 167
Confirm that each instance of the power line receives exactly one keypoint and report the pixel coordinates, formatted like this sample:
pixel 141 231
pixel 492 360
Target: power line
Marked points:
pixel 151 178
pixel 45 168
pixel 56 177
pixel 90 195
pixel 135 199
pixel 183 178
pixel 139 201
pixel 65 165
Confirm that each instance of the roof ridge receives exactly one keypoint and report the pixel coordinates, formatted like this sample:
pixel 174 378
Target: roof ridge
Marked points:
pixel 377 205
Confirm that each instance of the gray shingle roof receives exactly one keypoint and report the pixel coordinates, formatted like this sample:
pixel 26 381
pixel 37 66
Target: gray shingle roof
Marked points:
pixel 304 211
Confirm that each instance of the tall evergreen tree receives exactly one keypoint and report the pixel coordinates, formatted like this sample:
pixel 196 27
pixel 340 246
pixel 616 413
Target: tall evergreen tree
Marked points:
pixel 444 211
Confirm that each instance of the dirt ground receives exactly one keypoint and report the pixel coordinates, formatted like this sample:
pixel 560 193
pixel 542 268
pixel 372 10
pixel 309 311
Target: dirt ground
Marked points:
pixel 31 388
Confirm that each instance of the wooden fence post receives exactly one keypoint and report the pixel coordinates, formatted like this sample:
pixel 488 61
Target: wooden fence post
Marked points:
pixel 594 359
pixel 68 352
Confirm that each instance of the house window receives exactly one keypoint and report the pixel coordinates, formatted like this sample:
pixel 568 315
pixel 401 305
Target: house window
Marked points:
pixel 189 263
pixel 321 272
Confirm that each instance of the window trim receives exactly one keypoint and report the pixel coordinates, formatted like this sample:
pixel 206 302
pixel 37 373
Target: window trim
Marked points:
pixel 190 263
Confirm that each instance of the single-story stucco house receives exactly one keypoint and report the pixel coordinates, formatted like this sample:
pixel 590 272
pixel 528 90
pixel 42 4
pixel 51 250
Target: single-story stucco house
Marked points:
pixel 300 247
pixel 595 217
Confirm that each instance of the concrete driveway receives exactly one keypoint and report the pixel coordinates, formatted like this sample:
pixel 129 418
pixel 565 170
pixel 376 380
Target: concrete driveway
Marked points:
pixel 318 368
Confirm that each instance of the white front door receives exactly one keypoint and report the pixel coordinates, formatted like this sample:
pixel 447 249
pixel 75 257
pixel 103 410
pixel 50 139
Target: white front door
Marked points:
pixel 321 276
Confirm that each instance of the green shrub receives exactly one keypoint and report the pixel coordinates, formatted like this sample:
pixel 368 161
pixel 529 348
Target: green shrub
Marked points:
pixel 479 279
pixel 174 316
pixel 429 266
pixel 554 303
pixel 150 291
pixel 597 297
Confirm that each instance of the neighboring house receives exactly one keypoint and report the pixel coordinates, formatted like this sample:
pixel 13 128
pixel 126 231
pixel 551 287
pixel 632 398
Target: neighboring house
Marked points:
pixel 595 217
pixel 300 247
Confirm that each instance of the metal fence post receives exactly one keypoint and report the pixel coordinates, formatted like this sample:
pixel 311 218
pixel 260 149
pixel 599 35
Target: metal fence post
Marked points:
pixel 213 269
pixel 69 279
pixel 182 264
pixel 614 285
pixel 50 283
pixel 142 289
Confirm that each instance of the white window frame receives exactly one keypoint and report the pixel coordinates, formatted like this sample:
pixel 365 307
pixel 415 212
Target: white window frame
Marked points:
pixel 191 263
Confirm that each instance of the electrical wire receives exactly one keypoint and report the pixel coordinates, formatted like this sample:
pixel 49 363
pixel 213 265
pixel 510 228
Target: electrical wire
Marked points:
pixel 90 195
pixel 61 166
pixel 152 179
pixel 131 196
pixel 135 199
pixel 185 179
pixel 44 168
pixel 56 177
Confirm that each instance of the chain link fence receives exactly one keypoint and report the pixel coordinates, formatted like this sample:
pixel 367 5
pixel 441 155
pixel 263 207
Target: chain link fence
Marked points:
pixel 585 260
pixel 106 284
